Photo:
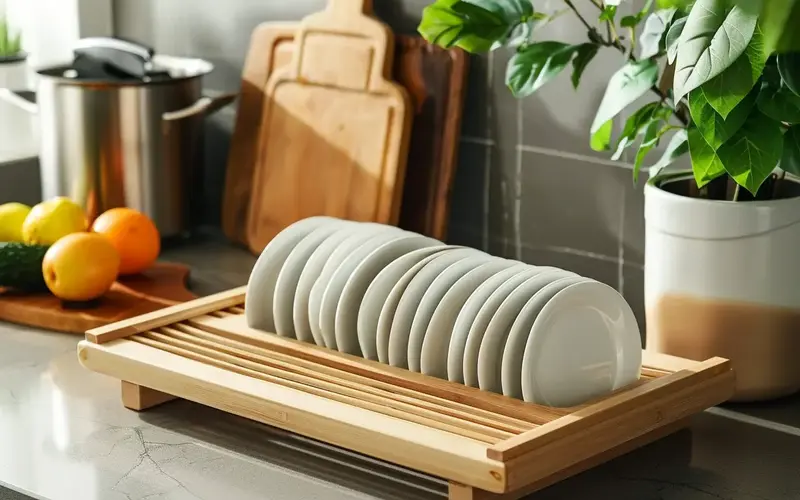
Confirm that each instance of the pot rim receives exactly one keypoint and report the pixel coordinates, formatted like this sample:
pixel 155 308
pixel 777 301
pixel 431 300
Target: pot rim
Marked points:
pixel 16 58
pixel 653 187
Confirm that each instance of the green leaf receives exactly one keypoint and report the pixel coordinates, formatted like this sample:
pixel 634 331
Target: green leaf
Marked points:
pixel 706 164
pixel 780 20
pixel 651 41
pixel 715 129
pixel 677 147
pixel 726 91
pixel 536 64
pixel 789 68
pixel 715 36
pixel 752 154
pixel 628 84
pixel 601 140
pixel 583 57
pixel 608 13
pixel 651 138
pixel 629 21
pixel 779 103
pixel 673 35
pixel 475 26
pixel 635 125
pixel 791 150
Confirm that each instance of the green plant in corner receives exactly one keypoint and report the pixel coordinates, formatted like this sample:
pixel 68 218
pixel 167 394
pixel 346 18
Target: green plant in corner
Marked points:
pixel 10 43
pixel 727 93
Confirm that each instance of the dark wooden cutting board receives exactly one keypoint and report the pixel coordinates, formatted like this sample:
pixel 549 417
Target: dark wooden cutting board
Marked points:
pixel 434 77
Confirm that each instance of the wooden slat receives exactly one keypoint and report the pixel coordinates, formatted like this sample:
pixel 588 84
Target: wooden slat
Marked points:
pixel 138 398
pixel 236 328
pixel 308 381
pixel 609 409
pixel 463 492
pixel 236 310
pixel 405 443
pixel 166 316
pixel 665 362
pixel 376 387
pixel 572 448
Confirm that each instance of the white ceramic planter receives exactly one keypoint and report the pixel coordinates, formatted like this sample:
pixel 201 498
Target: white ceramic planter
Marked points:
pixel 723 279
pixel 17 127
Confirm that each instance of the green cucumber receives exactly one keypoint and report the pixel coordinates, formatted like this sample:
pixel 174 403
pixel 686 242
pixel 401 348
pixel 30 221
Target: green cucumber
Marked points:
pixel 21 266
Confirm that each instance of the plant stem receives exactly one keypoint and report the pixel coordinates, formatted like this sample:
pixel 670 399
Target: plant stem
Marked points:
pixel 615 42
pixel 736 192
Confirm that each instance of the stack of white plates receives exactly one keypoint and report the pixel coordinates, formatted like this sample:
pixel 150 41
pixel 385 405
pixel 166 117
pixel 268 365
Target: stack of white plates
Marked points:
pixel 536 333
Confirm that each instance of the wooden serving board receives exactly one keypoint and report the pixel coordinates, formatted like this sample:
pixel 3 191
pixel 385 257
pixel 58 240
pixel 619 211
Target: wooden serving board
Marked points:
pixel 436 81
pixel 163 285
pixel 486 445
pixel 335 128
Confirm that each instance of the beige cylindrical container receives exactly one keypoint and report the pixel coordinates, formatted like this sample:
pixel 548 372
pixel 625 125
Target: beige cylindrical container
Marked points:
pixel 723 279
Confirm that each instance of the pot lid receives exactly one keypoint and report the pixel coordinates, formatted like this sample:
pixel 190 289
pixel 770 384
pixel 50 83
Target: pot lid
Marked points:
pixel 124 62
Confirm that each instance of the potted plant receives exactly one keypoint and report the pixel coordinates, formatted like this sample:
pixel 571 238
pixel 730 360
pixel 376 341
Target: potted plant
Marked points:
pixel 16 126
pixel 721 276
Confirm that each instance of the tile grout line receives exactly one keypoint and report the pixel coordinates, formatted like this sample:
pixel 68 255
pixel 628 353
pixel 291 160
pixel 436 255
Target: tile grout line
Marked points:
pixel 621 245
pixel 518 187
pixel 487 167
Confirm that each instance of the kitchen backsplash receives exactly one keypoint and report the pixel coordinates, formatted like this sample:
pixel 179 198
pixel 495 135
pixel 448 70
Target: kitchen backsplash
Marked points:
pixel 528 186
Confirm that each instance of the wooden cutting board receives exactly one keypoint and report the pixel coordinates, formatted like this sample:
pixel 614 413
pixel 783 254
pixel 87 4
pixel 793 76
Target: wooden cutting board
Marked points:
pixel 436 81
pixel 335 128
pixel 164 284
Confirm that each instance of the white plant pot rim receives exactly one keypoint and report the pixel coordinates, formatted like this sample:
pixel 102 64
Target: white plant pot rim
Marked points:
pixel 15 59
pixel 669 212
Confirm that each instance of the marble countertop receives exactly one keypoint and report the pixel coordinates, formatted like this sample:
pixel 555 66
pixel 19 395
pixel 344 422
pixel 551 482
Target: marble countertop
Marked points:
pixel 65 435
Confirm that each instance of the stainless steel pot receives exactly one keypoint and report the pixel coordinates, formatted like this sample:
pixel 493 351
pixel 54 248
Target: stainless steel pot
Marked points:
pixel 121 126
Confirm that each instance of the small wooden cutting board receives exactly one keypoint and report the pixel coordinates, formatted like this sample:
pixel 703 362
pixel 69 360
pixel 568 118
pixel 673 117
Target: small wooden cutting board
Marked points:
pixel 163 285
pixel 335 128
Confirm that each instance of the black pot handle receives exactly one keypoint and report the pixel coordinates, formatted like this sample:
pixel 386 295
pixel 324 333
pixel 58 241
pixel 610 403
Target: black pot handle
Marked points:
pixel 124 56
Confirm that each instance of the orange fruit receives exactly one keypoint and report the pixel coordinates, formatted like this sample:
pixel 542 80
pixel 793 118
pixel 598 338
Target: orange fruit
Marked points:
pixel 80 266
pixel 134 236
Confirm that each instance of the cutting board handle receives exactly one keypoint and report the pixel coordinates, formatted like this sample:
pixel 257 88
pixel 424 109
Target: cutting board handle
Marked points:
pixel 350 6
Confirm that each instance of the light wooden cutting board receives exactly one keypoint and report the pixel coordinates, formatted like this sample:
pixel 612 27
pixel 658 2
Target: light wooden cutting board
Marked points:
pixel 335 129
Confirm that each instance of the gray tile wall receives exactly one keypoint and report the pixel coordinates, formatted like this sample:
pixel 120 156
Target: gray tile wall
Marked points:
pixel 528 185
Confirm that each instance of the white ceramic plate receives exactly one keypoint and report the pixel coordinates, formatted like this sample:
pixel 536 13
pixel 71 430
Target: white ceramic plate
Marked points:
pixel 485 315
pixel 584 343
pixel 311 271
pixel 466 316
pixel 357 238
pixel 261 284
pixel 511 367
pixel 343 273
pixel 410 299
pixel 359 280
pixel 432 297
pixel 490 354
pixel 286 284
pixel 373 344
pixel 433 360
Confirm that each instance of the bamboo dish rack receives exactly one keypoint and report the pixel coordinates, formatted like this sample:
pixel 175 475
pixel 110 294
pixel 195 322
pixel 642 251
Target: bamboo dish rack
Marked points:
pixel 487 446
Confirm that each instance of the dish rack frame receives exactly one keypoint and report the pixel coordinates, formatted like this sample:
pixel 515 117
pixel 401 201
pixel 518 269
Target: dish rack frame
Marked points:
pixel 487 446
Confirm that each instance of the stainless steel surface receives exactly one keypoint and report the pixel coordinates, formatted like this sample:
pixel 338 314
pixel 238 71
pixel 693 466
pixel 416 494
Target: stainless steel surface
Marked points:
pixel 108 144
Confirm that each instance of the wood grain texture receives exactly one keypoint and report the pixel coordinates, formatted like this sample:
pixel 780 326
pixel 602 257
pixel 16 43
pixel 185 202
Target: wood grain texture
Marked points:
pixel 435 79
pixel 138 398
pixel 334 135
pixel 161 286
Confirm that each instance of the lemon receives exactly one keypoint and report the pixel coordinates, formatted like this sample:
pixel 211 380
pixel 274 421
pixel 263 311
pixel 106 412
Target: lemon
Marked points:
pixel 80 266
pixel 12 216
pixel 51 220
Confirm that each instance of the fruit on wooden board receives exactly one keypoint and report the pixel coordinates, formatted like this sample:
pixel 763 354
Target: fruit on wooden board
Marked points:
pixel 133 234
pixel 53 219
pixel 12 216
pixel 21 266
pixel 80 266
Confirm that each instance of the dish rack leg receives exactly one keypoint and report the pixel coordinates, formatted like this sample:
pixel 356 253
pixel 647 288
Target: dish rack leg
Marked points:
pixel 136 397
pixel 458 491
